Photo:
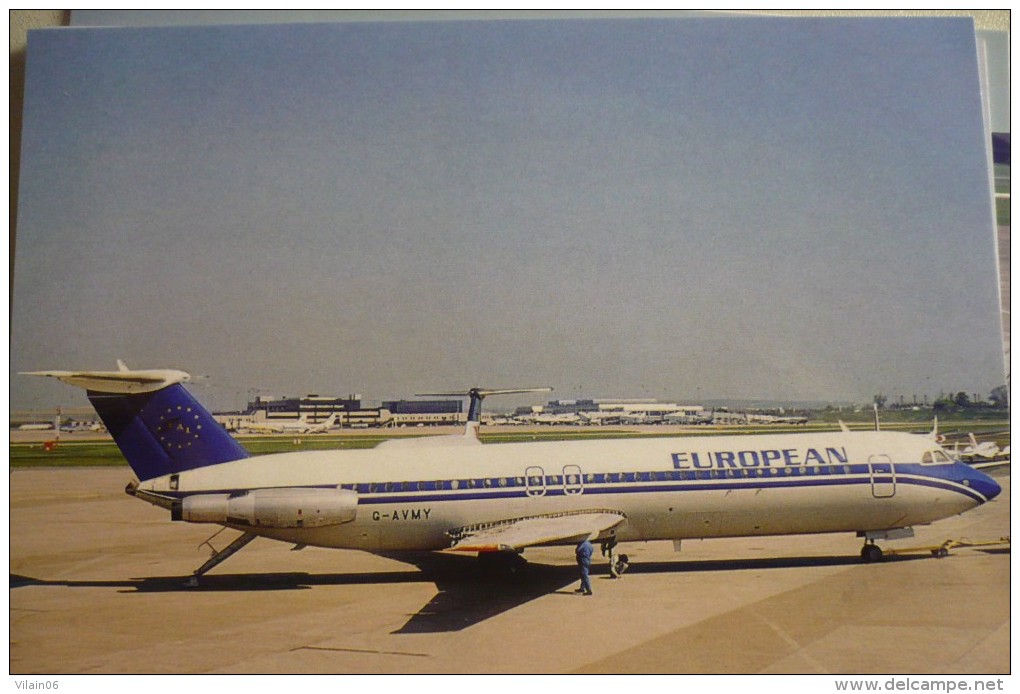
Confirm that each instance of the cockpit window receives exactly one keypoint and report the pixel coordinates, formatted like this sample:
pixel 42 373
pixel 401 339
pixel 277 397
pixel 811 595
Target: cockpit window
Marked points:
pixel 935 458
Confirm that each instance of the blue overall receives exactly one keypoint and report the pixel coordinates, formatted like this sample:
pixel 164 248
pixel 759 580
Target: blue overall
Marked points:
pixel 583 553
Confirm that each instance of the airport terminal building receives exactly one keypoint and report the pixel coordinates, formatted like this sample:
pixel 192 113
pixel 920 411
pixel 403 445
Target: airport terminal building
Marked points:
pixel 316 409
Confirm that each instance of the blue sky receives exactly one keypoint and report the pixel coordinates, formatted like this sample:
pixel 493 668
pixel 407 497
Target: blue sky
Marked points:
pixel 684 209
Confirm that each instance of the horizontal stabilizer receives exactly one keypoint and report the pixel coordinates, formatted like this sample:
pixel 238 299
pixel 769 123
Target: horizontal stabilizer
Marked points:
pixel 515 535
pixel 123 382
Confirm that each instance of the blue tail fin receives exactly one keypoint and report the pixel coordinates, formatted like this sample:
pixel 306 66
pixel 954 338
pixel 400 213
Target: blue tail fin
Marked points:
pixel 164 431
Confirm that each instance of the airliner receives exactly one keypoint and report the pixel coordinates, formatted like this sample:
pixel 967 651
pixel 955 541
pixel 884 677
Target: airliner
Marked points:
pixel 298 426
pixel 984 449
pixel 451 493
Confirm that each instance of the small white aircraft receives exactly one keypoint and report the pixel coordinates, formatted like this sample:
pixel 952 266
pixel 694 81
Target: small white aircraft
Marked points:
pixel 36 426
pixel 983 449
pixel 636 418
pixel 451 493
pixel 600 418
pixel 789 420
pixel 562 418
pixel 299 426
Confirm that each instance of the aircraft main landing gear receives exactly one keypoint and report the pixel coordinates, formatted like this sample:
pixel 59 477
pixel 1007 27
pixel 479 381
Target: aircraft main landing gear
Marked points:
pixel 617 563
pixel 501 563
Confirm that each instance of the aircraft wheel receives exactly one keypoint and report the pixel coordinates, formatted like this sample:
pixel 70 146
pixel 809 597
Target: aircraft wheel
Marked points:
pixel 871 553
pixel 622 564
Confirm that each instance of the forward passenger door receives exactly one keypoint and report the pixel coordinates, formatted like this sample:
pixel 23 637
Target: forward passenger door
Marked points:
pixel 883 476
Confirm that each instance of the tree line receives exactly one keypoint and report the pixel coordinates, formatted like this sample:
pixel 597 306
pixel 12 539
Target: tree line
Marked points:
pixel 998 399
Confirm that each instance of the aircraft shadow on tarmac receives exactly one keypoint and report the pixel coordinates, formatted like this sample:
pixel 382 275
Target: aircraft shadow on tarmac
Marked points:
pixel 466 596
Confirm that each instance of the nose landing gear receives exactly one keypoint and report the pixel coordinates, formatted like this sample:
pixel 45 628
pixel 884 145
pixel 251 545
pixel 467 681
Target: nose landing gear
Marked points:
pixel 871 553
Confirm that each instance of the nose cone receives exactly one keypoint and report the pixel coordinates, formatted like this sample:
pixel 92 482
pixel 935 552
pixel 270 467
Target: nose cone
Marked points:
pixel 983 484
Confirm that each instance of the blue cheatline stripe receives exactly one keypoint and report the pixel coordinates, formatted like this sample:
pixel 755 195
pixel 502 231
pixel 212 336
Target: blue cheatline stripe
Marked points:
pixel 939 484
pixel 736 483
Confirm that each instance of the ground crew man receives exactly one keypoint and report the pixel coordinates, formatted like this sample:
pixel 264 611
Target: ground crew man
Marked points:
pixel 583 554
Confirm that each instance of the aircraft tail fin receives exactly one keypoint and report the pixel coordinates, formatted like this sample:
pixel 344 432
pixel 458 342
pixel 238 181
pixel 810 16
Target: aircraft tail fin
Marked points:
pixel 478 394
pixel 157 424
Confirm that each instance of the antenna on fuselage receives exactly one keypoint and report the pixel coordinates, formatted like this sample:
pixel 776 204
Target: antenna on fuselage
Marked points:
pixel 877 426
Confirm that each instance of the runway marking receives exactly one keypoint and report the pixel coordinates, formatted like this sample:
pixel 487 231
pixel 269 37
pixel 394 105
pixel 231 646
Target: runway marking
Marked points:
pixel 798 648
pixel 359 650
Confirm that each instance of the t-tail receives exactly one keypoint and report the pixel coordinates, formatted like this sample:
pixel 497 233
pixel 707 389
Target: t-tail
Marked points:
pixel 158 425
pixel 475 407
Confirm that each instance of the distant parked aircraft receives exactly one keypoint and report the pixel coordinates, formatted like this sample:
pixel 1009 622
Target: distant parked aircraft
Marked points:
pixel 298 426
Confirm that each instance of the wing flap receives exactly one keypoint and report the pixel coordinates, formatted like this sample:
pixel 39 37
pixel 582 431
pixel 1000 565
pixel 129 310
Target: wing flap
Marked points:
pixel 516 534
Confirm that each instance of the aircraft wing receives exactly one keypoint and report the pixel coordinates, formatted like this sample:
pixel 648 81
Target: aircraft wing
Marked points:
pixel 991 464
pixel 518 533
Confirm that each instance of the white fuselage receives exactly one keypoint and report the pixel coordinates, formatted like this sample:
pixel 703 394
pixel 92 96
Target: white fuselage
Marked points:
pixel 668 488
